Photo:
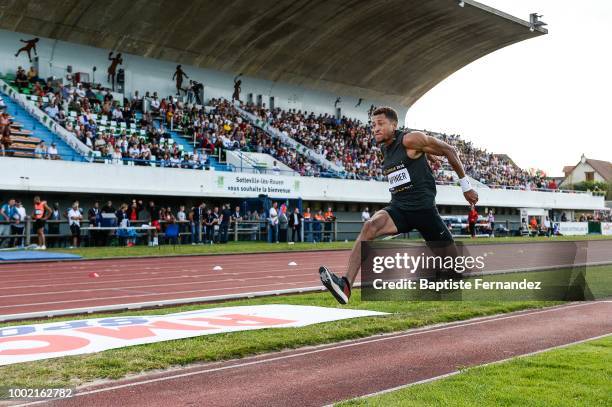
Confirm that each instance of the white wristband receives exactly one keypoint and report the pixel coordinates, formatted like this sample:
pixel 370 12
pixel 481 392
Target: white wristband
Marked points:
pixel 465 184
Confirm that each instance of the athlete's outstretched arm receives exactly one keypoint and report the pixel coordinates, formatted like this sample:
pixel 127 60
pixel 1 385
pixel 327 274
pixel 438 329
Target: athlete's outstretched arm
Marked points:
pixel 431 145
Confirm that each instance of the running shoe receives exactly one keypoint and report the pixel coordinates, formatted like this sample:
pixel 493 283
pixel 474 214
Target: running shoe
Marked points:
pixel 338 286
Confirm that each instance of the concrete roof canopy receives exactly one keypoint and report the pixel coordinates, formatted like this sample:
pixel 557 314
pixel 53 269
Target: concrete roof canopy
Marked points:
pixel 393 50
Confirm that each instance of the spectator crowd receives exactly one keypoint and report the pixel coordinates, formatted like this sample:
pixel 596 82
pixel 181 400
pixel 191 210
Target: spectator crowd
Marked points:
pixel 136 221
pixel 120 130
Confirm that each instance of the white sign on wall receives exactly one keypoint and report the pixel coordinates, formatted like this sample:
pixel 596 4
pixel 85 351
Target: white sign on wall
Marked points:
pixel 606 228
pixel 254 185
pixel 573 228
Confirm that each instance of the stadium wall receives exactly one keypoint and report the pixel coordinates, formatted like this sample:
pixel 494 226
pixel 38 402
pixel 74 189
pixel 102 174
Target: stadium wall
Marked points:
pixel 74 177
pixel 147 74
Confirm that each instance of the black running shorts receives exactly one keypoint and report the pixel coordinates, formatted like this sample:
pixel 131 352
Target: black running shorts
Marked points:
pixel 39 224
pixel 427 221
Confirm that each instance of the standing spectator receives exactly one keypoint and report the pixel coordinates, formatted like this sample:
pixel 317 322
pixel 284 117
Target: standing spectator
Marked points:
pixel 547 227
pixel 40 214
pixel 491 220
pixel 317 226
pixel 273 223
pixel 94 216
pixel 307 219
pixel 365 215
pixel 181 218
pixel 283 224
pixel 209 224
pixel 54 226
pixel 19 222
pixel 256 225
pixel 295 223
pixel 198 224
pixel 6 215
pixel 133 211
pixel 75 215
pixel 472 218
pixel 224 221
pixel 329 219
pixel 533 225
pixel 216 219
pixel 154 219
pixel 123 218
pixel 108 208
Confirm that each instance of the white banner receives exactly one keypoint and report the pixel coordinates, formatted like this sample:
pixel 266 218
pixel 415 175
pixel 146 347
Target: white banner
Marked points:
pixel 573 228
pixel 26 343
pixel 606 228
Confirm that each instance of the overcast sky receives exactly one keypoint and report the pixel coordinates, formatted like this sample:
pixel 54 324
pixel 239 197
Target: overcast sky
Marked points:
pixel 543 101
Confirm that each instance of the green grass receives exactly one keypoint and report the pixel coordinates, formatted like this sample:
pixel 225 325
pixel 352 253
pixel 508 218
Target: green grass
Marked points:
pixel 578 375
pixel 117 363
pixel 229 248
pixel 261 247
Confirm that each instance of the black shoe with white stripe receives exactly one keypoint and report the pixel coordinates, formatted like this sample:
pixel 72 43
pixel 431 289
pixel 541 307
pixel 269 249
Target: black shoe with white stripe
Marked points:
pixel 338 286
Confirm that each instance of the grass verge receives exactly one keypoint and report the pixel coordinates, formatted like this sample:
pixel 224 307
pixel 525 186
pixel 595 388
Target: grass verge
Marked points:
pixel 577 375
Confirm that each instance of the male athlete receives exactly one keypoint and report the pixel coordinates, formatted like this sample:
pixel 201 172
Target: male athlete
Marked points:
pixel 413 191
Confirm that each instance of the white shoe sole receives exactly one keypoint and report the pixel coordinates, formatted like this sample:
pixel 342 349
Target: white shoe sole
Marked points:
pixel 326 279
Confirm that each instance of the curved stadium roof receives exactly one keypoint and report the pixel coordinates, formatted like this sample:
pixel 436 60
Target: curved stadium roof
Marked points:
pixel 393 50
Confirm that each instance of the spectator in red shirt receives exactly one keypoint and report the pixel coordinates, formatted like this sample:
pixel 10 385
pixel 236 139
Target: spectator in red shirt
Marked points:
pixel 472 218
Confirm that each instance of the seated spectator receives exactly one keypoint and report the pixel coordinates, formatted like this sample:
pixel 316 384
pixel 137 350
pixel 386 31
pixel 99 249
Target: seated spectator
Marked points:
pixel 79 91
pixel 32 75
pixel 52 111
pixel 21 79
pixel 41 150
pixel 52 152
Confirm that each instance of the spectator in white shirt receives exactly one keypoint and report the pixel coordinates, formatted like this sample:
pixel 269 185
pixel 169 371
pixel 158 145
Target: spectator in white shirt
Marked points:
pixel 117 114
pixel 273 228
pixel 116 156
pixel 74 221
pixel 52 111
pixel 365 215
pixel 80 92
pixel 18 227
pixel 52 152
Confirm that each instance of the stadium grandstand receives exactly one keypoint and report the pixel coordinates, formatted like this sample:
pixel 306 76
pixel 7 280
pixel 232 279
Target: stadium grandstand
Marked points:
pixel 183 176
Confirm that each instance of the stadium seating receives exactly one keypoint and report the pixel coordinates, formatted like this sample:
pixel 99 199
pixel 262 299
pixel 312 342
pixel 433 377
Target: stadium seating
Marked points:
pixel 173 134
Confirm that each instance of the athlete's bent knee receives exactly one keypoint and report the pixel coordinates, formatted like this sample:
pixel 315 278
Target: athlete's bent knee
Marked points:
pixel 369 230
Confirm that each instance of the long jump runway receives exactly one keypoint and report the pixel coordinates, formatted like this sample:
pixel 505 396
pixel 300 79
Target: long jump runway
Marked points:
pixel 30 290
pixel 321 375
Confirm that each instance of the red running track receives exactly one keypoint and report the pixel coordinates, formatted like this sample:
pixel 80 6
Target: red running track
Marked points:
pixel 321 375
pixel 50 287
pixel 54 288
